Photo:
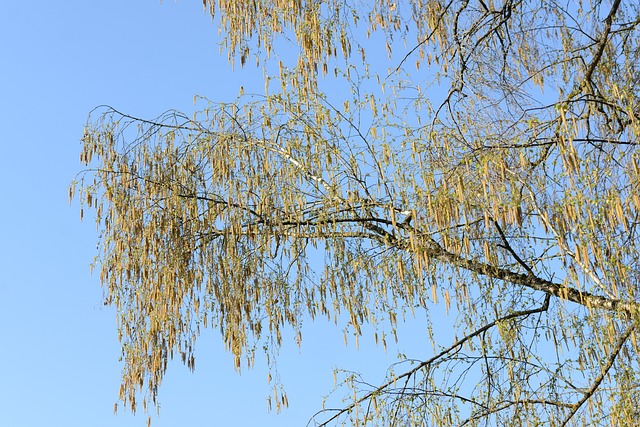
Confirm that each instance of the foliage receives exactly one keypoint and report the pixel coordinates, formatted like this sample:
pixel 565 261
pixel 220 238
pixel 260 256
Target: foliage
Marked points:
pixel 486 157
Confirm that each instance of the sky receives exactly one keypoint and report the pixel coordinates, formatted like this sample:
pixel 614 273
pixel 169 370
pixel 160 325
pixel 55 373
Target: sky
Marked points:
pixel 59 359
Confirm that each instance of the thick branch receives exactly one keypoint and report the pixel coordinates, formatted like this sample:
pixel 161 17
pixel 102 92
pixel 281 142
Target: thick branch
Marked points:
pixel 602 42
pixel 530 280
pixel 585 298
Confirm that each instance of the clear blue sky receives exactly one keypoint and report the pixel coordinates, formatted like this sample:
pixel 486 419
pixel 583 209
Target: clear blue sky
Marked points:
pixel 59 358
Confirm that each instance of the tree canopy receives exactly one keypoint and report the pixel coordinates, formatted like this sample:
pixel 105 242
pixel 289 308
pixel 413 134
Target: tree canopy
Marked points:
pixel 479 154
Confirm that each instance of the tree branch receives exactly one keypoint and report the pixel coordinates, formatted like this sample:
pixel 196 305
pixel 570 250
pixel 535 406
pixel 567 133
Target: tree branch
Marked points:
pixel 605 371
pixel 544 307
pixel 529 280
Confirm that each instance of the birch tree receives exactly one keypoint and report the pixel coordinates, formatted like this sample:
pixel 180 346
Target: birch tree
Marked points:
pixel 404 154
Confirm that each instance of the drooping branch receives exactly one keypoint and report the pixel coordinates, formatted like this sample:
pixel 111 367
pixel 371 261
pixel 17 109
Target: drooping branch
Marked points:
pixel 435 251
